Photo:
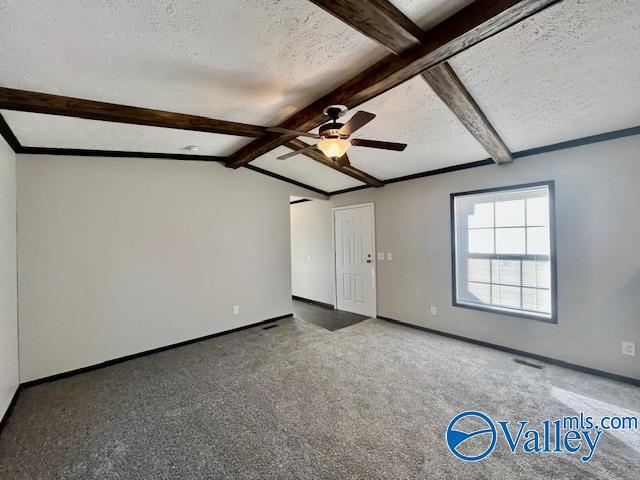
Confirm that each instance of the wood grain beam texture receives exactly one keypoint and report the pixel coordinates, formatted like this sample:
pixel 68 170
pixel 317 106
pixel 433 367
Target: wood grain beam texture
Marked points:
pixel 474 23
pixel 381 21
pixel 35 102
pixel 72 107
pixel 446 84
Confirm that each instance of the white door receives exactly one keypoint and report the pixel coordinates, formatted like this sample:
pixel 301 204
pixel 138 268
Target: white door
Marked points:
pixel 355 259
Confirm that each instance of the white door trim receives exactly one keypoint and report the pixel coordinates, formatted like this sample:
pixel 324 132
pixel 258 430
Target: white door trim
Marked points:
pixel 374 254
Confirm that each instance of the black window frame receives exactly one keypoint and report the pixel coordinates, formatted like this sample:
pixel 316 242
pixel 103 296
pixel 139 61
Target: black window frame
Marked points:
pixel 553 258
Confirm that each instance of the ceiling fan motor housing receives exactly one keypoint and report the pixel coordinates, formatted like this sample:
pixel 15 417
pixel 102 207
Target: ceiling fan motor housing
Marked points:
pixel 331 130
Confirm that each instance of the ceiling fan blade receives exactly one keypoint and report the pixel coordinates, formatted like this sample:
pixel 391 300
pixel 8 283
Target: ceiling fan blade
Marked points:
pixel 359 120
pixel 286 131
pixel 343 161
pixel 291 154
pixel 361 142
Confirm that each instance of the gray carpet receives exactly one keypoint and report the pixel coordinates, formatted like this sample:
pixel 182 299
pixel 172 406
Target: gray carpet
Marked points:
pixel 370 401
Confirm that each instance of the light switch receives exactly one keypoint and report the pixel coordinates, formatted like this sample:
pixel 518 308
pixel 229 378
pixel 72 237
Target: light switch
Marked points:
pixel 236 309
pixel 380 255
pixel 389 256
pixel 308 258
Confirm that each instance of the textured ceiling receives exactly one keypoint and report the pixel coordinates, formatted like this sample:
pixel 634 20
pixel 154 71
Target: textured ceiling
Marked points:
pixel 305 170
pixel 571 71
pixel 253 61
pixel 428 13
pixel 37 130
pixel 412 114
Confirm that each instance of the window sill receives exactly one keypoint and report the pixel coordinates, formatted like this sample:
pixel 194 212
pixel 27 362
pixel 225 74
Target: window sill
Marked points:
pixel 500 311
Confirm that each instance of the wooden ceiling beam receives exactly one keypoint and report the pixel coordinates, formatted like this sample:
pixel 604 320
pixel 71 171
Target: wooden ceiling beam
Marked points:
pixel 296 144
pixel 381 21
pixel 57 105
pixel 474 23
pixel 446 85
pixel 34 102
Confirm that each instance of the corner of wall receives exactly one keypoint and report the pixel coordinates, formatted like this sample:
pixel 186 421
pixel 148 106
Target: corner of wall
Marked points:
pixel 9 360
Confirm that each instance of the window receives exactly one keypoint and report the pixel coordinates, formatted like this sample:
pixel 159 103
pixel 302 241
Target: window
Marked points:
pixel 503 246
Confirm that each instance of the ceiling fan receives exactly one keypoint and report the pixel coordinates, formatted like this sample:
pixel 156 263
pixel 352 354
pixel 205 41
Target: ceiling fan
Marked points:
pixel 334 136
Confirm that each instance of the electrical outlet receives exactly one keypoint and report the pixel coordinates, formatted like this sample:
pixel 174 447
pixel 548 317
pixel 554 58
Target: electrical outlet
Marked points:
pixel 380 255
pixel 389 256
pixel 434 310
pixel 236 309
pixel 629 348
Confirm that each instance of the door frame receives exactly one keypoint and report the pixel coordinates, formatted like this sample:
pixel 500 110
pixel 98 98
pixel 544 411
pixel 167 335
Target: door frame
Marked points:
pixel 374 254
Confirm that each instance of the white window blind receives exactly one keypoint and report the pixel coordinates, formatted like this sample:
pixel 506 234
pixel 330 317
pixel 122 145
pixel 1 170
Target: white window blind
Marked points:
pixel 503 250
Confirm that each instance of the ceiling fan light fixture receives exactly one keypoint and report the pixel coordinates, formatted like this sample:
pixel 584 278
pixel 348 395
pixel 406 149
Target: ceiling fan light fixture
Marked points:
pixel 334 147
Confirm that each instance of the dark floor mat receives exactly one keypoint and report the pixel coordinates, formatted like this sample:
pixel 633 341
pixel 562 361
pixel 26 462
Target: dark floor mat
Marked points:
pixel 324 317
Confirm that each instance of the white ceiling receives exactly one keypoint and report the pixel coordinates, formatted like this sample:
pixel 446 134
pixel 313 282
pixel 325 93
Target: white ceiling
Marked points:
pixel 571 71
pixel 412 114
pixel 253 61
pixel 305 170
pixel 38 130
pixel 428 13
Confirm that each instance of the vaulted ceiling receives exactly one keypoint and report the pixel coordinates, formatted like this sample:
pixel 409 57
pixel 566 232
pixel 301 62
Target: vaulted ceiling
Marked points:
pixel 566 72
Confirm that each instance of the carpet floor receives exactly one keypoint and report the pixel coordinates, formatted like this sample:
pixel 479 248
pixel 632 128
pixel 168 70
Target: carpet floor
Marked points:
pixel 370 401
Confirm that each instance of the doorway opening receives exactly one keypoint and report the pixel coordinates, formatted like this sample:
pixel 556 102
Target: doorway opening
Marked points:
pixel 314 291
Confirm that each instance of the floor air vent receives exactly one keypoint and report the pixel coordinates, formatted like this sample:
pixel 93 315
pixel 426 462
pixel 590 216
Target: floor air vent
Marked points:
pixel 528 364
pixel 269 326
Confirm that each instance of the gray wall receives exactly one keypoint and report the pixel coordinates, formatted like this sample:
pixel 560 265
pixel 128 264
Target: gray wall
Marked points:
pixel 119 256
pixel 312 251
pixel 9 372
pixel 598 244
